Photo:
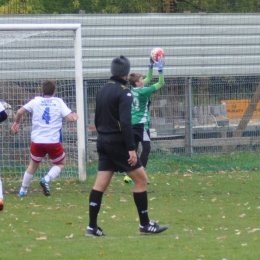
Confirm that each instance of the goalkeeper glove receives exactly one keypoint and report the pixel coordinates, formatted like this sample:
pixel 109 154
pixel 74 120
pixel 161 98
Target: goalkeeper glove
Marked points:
pixel 151 63
pixel 160 64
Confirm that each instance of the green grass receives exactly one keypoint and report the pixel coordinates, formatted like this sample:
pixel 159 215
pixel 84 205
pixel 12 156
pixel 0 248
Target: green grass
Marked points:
pixel 248 161
pixel 211 214
pixel 205 162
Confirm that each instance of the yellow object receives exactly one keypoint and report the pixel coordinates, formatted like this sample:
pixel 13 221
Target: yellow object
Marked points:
pixel 237 108
pixel 127 179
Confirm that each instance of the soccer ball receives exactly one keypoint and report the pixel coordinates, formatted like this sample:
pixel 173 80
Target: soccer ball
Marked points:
pixel 156 53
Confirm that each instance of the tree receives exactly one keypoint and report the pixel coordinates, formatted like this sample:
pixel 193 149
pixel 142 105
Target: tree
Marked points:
pixel 60 6
pixel 130 6
pixel 120 6
pixel 218 6
pixel 21 7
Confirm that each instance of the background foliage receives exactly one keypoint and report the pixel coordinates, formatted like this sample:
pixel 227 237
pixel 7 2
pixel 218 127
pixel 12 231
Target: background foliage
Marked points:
pixel 130 6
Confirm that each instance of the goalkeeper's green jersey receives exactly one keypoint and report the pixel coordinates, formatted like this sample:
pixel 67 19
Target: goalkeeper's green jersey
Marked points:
pixel 140 106
pixel 142 99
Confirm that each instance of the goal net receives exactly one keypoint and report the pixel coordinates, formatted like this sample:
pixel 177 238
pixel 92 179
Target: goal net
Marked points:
pixel 30 54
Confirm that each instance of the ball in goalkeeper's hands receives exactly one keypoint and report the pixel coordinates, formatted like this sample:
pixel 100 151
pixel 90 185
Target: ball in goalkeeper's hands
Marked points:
pixel 157 54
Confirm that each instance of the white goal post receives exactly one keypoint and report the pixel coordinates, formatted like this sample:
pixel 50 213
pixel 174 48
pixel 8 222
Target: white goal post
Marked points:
pixel 76 27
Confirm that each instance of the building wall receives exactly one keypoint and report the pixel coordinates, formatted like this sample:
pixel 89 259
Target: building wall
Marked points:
pixel 198 45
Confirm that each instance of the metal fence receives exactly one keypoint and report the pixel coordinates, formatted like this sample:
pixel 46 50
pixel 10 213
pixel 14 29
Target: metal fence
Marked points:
pixel 210 122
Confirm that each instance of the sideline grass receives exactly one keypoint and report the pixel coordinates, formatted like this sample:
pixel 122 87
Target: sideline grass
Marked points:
pixel 204 163
pixel 211 215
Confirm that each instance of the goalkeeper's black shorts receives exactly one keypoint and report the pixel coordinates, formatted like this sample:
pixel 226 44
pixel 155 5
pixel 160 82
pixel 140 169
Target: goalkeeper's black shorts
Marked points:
pixel 140 133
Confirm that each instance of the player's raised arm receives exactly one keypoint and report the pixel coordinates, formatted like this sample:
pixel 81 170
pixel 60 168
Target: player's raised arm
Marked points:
pixel 160 65
pixel 18 117
pixel 149 76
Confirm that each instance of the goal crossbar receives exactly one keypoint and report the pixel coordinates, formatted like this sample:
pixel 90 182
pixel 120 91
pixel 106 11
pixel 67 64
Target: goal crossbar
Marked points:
pixel 76 27
pixel 25 27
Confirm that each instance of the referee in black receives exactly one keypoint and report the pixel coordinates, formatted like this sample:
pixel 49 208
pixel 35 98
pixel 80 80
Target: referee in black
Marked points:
pixel 116 148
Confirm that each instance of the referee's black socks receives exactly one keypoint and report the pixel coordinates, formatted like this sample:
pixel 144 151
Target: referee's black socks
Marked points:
pixel 141 202
pixel 95 199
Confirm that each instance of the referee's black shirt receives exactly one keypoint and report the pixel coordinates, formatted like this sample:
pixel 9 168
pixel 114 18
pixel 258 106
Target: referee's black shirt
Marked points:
pixel 113 111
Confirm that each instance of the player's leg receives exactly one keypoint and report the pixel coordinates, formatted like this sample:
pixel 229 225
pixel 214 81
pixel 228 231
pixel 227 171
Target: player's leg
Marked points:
pixel 27 177
pixel 37 153
pixel 119 155
pixel 138 137
pixel 142 136
pixel 138 134
pixel 139 178
pixel 57 157
pixel 146 147
pixel 106 170
pixel 141 201
pixel 95 198
pixel 55 171
pixel 1 195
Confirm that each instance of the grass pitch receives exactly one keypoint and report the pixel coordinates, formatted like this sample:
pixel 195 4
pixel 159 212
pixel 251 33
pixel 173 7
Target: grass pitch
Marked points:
pixel 211 215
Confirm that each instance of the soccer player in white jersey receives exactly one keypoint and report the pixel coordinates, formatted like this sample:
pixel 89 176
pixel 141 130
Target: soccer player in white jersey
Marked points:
pixel 3 116
pixel 47 114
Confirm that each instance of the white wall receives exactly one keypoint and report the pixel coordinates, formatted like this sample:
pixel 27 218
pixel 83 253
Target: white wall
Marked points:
pixel 195 45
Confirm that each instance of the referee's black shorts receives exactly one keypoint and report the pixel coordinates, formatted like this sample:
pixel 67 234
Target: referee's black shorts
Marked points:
pixel 113 154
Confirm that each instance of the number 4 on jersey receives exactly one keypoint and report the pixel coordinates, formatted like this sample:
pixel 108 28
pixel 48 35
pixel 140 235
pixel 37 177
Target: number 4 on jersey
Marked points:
pixel 46 115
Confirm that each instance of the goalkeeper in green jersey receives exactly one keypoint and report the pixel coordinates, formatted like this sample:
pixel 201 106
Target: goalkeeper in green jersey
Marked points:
pixel 140 106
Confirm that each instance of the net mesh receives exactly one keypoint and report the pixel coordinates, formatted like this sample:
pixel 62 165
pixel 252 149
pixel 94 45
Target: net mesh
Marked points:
pixel 22 71
pixel 12 36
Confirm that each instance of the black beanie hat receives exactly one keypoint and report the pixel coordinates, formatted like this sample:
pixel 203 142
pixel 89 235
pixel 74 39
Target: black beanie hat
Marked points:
pixel 120 66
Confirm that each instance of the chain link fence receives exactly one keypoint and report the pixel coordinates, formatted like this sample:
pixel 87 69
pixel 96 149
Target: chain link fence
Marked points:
pixel 218 107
